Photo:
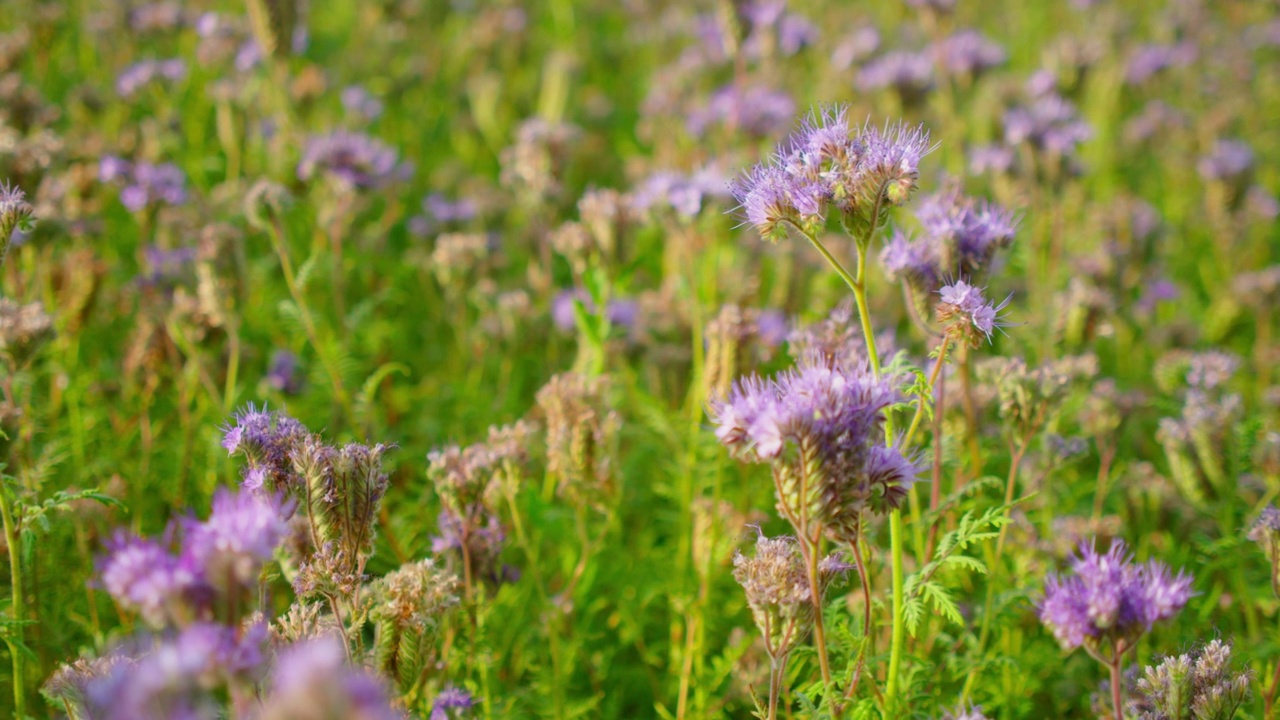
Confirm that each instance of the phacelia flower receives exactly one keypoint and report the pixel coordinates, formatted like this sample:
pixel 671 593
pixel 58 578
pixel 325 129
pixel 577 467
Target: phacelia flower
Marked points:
pixel 907 73
pixel 1266 532
pixel 1109 601
pixel 452 703
pixel 267 441
pixel 755 110
pixel 820 426
pixel 968 54
pixel 1049 124
pixel 312 680
pixel 15 215
pixel 283 373
pixel 967 314
pixel 1151 59
pixel 359 160
pixel 137 76
pixel 145 184
pixel 142 575
pixel 241 534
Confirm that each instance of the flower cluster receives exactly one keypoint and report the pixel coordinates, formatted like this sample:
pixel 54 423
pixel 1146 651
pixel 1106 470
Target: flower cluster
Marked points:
pixel 1109 601
pixel 266 440
pixel 409 604
pixel 357 160
pixel 137 76
pixel 754 109
pixel 778 591
pixel 1200 685
pixel 145 185
pixel 829 164
pixel 966 314
pixel 217 561
pixel 1049 124
pixel 15 215
pixel 820 427
pixel 1266 532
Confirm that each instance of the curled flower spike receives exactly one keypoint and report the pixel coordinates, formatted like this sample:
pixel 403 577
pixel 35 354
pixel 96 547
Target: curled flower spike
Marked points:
pixel 968 315
pixel 778 591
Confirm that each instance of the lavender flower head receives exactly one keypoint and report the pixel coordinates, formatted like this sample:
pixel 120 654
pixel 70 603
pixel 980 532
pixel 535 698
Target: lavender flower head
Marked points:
pixel 1049 124
pixel 361 161
pixel 1266 532
pixel 312 680
pixel 755 110
pixel 139 75
pixel 824 424
pixel 451 703
pixel 267 441
pixel 828 163
pixel 968 54
pixel 284 373
pixel 1149 60
pixel 143 576
pixel 967 314
pixel 361 103
pixel 1109 601
pixel 909 74
pixel 145 184
pixel 240 536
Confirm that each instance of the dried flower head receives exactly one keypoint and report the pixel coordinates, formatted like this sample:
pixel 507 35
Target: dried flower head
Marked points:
pixel 582 434
pixel 1200 684
pixel 778 590
pixel 408 605
pixel 1109 601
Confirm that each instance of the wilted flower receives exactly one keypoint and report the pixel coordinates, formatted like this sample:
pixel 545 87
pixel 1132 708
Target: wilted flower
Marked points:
pixel 581 434
pixel 1110 601
pixel 1200 685
pixel 778 591
pixel 409 605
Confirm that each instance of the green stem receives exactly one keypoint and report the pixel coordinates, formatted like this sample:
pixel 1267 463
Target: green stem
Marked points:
pixel 899 624
pixel 19 608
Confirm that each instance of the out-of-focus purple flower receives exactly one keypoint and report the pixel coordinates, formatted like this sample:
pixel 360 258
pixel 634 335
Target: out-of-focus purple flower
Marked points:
pixel 855 47
pixel 438 210
pixel 1155 117
pixel 683 193
pixel 361 103
pixel 965 713
pixel 136 76
pixel 451 703
pixel 1151 59
pixel 167 265
pixel 312 680
pixel 754 110
pixel 483 543
pixel 1110 600
pixel 772 327
pixel 1050 123
pixel 1157 292
pixel 145 184
pixel 154 17
pixel 241 534
pixel 360 160
pixel 908 73
pixel 965 232
pixel 997 159
pixel 1231 162
pixel 141 575
pixel 283 373
pixel 968 54
pixel 1262 203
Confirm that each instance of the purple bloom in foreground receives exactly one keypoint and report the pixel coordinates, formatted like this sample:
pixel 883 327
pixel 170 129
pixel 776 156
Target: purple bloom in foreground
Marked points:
pixel 313 680
pixel 451 699
pixel 1109 600
pixel 142 575
pixel 241 534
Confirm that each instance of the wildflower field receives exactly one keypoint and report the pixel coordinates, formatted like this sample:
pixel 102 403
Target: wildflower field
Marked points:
pixel 639 359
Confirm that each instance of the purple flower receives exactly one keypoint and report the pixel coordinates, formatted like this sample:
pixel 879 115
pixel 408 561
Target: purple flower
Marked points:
pixel 1151 59
pixel 1231 162
pixel 1109 600
pixel 135 77
pixel 968 54
pixel 754 110
pixel 451 698
pixel 241 534
pixel 145 184
pixel 770 196
pixel 141 575
pixel 1050 123
pixel 312 680
pixel 359 102
pixel 830 419
pixel 359 160
pixel 968 313
pixel 996 159
pixel 283 373
pixel 855 47
pixel 966 233
pixel 908 73
pixel 266 439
